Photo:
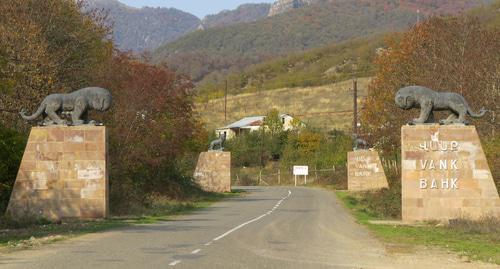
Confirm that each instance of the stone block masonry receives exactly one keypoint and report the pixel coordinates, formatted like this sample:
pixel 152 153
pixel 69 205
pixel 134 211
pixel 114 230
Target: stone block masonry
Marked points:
pixel 213 171
pixel 63 174
pixel 445 174
pixel 365 171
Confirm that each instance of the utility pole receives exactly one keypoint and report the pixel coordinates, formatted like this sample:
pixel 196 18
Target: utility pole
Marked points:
pixel 225 104
pixel 355 107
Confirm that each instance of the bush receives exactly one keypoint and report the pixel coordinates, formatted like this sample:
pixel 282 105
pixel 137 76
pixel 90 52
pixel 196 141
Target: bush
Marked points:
pixel 12 146
pixel 383 203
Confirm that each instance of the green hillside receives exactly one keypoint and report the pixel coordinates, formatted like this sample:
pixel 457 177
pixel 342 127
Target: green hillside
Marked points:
pixel 327 65
pixel 326 107
pixel 232 48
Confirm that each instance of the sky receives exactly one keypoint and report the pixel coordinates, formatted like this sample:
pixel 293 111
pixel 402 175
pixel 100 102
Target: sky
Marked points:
pixel 200 8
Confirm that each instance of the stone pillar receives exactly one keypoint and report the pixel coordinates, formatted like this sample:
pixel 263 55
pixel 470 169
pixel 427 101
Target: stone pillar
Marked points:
pixel 365 171
pixel 445 174
pixel 213 171
pixel 62 175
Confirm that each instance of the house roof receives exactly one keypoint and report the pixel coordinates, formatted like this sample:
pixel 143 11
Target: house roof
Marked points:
pixel 248 121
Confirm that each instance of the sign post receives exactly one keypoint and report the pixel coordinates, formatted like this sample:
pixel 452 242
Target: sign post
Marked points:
pixel 300 170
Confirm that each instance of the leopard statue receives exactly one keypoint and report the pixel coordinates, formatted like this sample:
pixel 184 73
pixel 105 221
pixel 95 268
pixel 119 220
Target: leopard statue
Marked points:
pixel 359 143
pixel 76 105
pixel 429 100
pixel 218 144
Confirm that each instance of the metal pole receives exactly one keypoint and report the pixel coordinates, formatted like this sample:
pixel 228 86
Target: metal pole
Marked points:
pixel 225 103
pixel 260 176
pixel 295 177
pixel 305 180
pixel 279 176
pixel 355 107
pixel 316 174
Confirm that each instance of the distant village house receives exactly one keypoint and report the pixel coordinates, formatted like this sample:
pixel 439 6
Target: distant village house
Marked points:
pixel 250 124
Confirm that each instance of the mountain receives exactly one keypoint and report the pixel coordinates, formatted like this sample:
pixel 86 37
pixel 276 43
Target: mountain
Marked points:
pixel 139 29
pixel 283 6
pixel 216 51
pixel 244 13
pixel 428 7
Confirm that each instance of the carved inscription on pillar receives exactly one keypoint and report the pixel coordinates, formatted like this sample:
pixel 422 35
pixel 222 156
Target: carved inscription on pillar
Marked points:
pixel 365 171
pixel 445 174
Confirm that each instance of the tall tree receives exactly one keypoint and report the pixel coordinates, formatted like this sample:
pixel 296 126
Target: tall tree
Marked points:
pixel 48 46
pixel 446 54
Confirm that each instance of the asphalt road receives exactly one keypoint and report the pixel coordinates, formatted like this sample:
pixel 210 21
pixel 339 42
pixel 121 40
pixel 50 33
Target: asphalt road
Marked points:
pixel 266 228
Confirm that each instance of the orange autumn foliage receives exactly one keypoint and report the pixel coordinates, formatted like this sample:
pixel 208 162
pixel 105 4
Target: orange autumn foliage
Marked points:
pixel 445 54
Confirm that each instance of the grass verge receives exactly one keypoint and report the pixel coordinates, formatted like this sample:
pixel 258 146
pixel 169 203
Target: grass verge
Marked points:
pixel 475 240
pixel 16 235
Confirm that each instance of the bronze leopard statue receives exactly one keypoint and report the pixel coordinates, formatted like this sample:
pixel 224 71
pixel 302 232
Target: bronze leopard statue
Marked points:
pixel 76 104
pixel 428 101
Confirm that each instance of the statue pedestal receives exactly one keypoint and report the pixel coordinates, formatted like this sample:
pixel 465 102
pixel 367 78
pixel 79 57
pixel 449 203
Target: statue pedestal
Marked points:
pixel 365 171
pixel 62 175
pixel 213 171
pixel 445 174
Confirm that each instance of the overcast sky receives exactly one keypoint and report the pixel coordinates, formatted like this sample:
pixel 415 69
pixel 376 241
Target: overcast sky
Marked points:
pixel 199 8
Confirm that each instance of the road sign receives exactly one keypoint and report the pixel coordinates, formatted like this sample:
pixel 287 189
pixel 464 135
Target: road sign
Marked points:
pixel 299 170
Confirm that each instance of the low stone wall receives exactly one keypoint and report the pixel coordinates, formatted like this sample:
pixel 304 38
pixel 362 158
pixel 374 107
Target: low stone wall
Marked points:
pixel 445 174
pixel 62 174
pixel 365 171
pixel 213 171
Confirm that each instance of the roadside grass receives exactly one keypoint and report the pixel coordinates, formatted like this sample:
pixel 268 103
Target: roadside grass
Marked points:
pixel 27 233
pixel 476 240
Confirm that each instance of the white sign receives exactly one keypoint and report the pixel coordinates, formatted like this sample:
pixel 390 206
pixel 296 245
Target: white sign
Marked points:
pixel 87 174
pixel 300 170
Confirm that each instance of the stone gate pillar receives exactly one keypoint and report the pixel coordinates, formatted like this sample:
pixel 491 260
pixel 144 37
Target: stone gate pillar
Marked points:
pixel 63 174
pixel 445 174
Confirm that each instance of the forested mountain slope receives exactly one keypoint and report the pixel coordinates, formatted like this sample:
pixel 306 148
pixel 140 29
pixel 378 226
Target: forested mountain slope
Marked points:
pixel 146 28
pixel 234 47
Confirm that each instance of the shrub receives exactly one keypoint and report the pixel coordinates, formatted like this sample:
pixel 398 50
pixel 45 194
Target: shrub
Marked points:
pixel 12 146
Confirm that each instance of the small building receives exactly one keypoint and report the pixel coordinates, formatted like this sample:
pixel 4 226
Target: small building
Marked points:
pixel 250 124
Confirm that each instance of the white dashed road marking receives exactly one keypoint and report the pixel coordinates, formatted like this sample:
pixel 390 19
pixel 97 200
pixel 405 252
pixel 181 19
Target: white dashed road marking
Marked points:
pixel 174 263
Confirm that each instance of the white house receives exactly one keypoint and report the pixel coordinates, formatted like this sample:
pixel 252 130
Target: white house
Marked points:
pixel 250 124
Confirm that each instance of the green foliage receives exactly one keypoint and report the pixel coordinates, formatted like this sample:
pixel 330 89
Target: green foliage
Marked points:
pixel 11 152
pixel 267 151
pixel 276 136
pixel 316 149
pixel 248 150
pixel 492 150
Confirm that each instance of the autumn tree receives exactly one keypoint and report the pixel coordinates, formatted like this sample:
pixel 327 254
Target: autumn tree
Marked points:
pixel 152 127
pixel 52 47
pixel 445 54
pixel 46 47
